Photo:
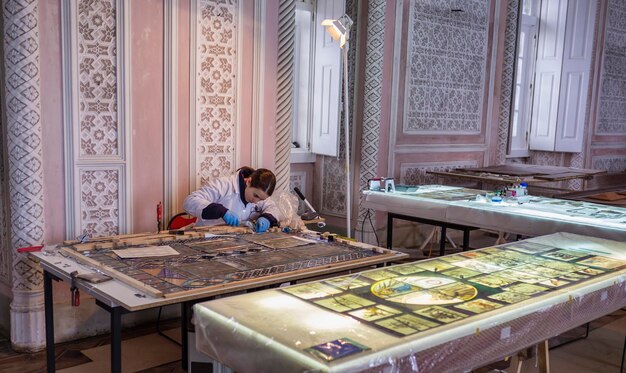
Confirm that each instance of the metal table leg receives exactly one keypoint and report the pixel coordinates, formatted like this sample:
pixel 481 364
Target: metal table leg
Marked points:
pixel 49 317
pixel 442 241
pixel 389 229
pixel 116 313
pixel 466 236
pixel 183 335
pixel 116 339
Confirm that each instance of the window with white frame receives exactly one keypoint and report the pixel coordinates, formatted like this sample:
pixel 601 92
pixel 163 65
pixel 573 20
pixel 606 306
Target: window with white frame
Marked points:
pixel 524 72
pixel 552 76
pixel 317 78
pixel 302 75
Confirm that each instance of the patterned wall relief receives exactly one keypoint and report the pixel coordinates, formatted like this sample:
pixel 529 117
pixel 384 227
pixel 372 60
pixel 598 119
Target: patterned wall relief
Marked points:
pixel 334 186
pixel 508 71
pixel 416 173
pixel 100 202
pixel 96 56
pixel 610 164
pixel 284 91
pixel 446 66
pixel 333 199
pixel 373 97
pixel 546 158
pixel 97 96
pixel 612 100
pixel 298 179
pixel 23 143
pixel 216 88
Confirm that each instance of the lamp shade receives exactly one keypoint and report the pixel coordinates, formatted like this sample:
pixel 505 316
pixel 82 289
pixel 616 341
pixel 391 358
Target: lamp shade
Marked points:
pixel 339 29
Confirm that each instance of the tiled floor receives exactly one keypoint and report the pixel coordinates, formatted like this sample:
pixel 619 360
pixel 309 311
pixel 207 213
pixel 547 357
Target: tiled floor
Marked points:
pixel 71 354
pixel 600 352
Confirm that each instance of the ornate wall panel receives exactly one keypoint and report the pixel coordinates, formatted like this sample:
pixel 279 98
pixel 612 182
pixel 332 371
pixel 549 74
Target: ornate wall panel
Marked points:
pixel 508 71
pixel 298 179
pixel 96 134
pixel 334 175
pixel 416 173
pixel 100 201
pixel 216 59
pixel 546 158
pixel 97 76
pixel 284 88
pixel 612 100
pixel 609 163
pixel 446 67
pixel 373 96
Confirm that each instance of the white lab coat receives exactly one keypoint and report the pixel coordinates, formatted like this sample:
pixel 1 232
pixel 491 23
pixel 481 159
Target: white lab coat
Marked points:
pixel 225 191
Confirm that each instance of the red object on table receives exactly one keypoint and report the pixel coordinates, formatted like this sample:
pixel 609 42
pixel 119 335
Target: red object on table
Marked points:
pixel 29 249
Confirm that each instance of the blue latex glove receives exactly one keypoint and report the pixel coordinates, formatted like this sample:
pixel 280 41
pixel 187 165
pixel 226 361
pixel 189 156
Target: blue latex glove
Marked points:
pixel 262 224
pixel 231 219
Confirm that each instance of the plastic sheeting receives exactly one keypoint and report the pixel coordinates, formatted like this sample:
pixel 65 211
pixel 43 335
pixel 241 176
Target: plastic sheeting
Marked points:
pixel 270 330
pixel 537 217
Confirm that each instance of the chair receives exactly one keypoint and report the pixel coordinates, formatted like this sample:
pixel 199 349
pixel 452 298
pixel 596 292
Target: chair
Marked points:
pixel 181 220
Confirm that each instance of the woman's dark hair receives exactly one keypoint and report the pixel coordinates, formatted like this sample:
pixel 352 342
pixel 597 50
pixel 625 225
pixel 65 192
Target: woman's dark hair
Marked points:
pixel 261 178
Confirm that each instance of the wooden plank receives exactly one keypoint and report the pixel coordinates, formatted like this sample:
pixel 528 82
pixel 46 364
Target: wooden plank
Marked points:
pixel 563 176
pixel 113 273
pixel 533 170
pixel 223 229
pixel 107 238
pixel 482 177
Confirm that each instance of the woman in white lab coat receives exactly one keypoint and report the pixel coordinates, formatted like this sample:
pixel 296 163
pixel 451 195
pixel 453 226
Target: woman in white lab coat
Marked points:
pixel 234 199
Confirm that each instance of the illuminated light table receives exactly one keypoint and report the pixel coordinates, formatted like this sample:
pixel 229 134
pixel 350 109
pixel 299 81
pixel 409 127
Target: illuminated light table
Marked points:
pixel 277 330
pixel 250 268
pixel 456 207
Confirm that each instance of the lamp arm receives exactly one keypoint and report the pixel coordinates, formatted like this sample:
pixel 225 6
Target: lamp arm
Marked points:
pixel 346 113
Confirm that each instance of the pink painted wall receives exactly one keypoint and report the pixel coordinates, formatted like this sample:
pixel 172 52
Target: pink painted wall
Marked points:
pixel 146 111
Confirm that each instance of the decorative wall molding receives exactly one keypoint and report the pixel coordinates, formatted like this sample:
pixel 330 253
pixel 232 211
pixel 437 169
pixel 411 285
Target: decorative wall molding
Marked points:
pixel 546 158
pixel 6 257
pixel 258 85
pixel 25 168
pixel 373 94
pixel 609 163
pixel 284 91
pixel 416 173
pixel 170 109
pixel 96 116
pixel 508 73
pixel 612 100
pixel 100 204
pixel 446 67
pixel 333 190
pixel 298 179
pixel 215 37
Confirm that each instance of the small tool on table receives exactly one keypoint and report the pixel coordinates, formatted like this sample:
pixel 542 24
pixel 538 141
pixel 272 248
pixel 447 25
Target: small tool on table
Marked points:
pixel 307 215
